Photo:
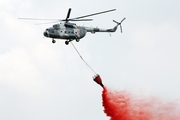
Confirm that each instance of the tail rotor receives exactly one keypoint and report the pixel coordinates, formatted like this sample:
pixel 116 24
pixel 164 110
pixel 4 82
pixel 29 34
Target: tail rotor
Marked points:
pixel 119 23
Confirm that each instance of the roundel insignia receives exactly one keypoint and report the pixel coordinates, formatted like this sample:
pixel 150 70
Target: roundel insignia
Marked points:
pixel 78 31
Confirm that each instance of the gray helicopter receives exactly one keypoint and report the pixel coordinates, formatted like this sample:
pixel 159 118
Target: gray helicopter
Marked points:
pixel 70 31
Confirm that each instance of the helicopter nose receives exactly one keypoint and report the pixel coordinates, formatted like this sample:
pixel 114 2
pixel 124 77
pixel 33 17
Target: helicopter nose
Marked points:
pixel 46 34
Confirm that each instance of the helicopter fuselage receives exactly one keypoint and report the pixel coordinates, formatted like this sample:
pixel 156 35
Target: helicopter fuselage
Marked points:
pixel 68 31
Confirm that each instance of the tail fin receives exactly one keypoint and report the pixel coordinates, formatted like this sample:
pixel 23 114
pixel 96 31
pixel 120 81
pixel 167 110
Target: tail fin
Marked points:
pixel 118 24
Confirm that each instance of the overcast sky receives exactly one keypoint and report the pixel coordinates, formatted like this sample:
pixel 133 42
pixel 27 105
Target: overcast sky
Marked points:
pixel 44 81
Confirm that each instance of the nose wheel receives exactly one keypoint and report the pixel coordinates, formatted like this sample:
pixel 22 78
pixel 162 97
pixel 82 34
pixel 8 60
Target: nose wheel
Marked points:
pixel 53 41
pixel 67 42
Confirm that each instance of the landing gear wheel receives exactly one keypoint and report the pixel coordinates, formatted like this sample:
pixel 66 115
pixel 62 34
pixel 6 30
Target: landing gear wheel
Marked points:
pixel 53 41
pixel 77 40
pixel 66 42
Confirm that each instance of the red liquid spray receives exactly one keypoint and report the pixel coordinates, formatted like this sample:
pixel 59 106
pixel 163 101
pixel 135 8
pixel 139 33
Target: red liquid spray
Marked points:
pixel 124 106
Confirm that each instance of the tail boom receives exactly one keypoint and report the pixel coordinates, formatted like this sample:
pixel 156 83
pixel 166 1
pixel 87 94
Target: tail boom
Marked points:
pixel 94 30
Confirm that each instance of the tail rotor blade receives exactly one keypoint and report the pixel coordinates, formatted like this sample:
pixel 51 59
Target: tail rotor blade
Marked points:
pixel 122 20
pixel 119 23
pixel 121 28
pixel 115 21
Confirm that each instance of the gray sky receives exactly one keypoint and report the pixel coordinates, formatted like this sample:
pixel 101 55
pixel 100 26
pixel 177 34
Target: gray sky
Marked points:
pixel 44 81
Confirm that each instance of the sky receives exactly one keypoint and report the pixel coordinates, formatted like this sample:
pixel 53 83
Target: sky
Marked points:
pixel 41 80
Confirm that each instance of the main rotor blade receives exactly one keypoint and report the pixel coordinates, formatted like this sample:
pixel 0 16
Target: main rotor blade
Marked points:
pixel 69 12
pixel 81 20
pixel 39 19
pixel 46 23
pixel 92 14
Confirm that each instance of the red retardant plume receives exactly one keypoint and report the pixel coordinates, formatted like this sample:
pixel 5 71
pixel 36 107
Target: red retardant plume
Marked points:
pixel 124 106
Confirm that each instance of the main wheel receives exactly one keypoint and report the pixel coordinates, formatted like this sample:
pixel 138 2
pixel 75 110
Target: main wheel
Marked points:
pixel 53 41
pixel 77 40
pixel 66 42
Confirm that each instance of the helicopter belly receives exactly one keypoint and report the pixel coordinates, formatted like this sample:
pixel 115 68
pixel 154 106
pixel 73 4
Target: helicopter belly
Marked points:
pixel 73 34
pixel 69 36
pixel 55 36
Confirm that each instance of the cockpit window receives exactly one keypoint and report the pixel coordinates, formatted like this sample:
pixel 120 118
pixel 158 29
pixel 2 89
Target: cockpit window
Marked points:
pixel 56 26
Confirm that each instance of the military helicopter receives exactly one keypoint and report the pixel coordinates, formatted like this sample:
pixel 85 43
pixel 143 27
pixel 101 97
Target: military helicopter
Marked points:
pixel 70 31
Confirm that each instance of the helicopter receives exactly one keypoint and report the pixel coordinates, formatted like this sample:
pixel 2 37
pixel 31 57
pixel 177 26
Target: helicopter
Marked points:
pixel 70 31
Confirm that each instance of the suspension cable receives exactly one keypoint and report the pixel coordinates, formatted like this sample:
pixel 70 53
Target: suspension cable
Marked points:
pixel 82 58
